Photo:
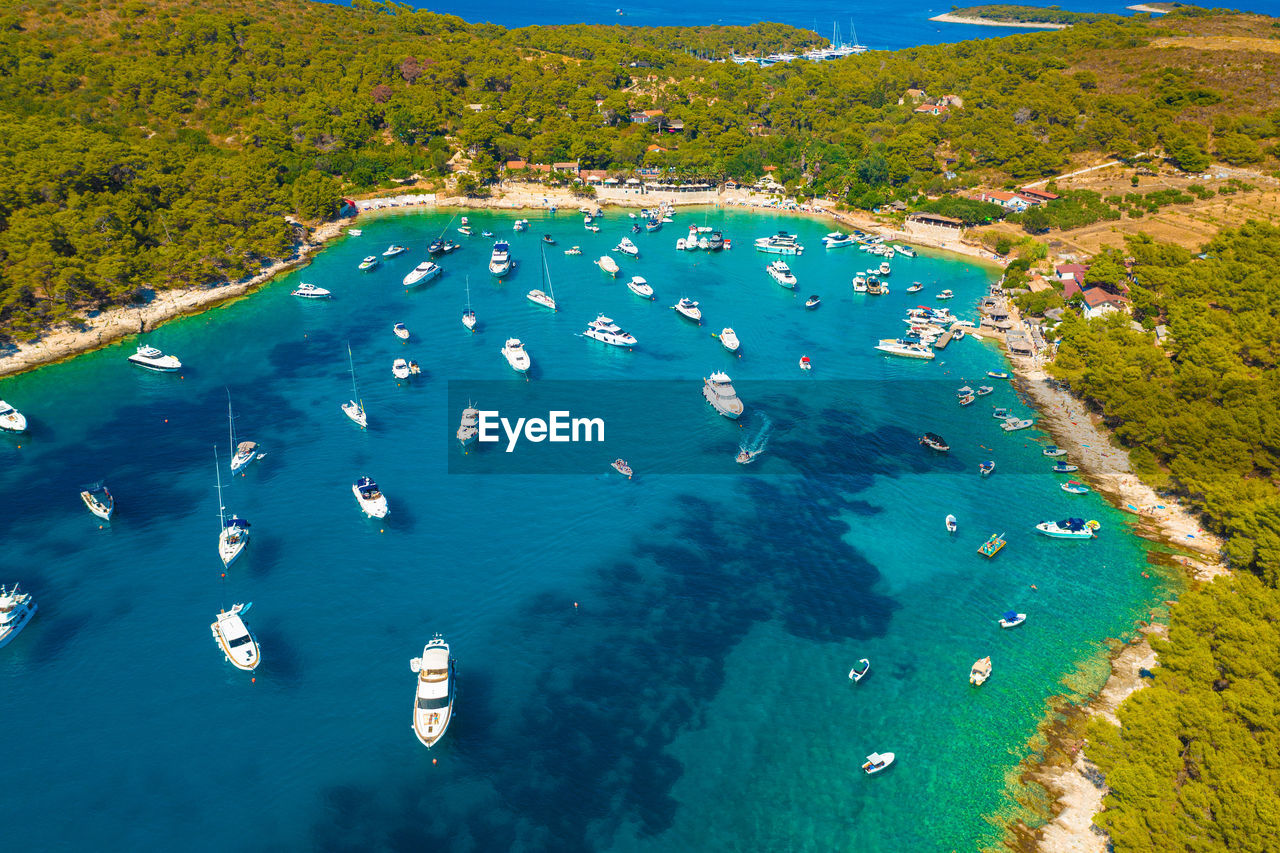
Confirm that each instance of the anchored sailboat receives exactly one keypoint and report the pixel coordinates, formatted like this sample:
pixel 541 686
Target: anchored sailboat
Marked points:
pixel 354 408
pixel 469 316
pixel 545 299
pixel 233 532
pixel 244 452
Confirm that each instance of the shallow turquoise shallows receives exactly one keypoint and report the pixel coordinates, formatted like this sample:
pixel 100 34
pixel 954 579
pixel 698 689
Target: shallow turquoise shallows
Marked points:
pixel 657 664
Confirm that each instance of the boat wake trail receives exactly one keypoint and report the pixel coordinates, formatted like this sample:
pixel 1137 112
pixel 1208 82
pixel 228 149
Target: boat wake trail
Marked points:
pixel 758 433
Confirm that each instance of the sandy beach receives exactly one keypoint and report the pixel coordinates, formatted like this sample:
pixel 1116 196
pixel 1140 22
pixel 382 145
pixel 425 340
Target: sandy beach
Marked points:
pixel 1150 10
pixel 987 22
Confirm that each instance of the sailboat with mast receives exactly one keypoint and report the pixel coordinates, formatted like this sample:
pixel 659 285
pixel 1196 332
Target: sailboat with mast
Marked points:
pixel 469 316
pixel 354 408
pixel 244 452
pixel 539 297
pixel 234 531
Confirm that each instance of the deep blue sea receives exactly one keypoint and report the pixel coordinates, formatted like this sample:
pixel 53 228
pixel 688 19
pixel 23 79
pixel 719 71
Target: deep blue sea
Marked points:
pixel 648 665
pixel 878 27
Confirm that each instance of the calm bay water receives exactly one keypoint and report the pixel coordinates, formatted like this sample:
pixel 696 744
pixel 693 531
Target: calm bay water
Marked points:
pixel 695 698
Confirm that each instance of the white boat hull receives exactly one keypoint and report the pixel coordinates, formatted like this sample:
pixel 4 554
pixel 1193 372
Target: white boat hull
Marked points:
pixel 356 412
pixel 374 508
pixel 12 629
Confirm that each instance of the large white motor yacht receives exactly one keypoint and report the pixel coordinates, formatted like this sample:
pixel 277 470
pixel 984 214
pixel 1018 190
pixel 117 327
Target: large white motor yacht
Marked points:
pixel 781 243
pixel 718 389
pixel 640 287
pixel 310 291
pixel 11 419
pixel 500 259
pixel 370 498
pixel 153 359
pixel 233 637
pixel 470 426
pixel 894 346
pixel 16 610
pixel 433 701
pixel 606 331
pixel 422 273
pixel 690 309
pixel 626 247
pixel 729 339
pixel 782 274
pixel 608 265
pixel 516 355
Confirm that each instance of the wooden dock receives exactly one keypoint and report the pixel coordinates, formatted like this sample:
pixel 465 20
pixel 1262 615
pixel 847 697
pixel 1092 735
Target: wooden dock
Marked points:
pixel 941 343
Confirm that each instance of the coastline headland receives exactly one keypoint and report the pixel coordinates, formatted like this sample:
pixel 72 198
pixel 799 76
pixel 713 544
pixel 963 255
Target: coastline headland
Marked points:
pixel 988 22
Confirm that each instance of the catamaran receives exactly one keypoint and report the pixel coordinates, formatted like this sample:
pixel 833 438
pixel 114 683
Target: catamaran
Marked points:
pixel 245 451
pixel 354 408
pixel 233 533
pixel 433 700
pixel 233 637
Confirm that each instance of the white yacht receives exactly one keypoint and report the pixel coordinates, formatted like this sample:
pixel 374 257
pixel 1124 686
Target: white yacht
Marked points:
pixel 401 331
pixel 729 339
pixel 500 259
pixel 516 355
pixel 233 534
pixel 98 501
pixel 354 408
pixel 423 273
pixel 152 359
pixel 905 251
pixel 310 291
pixel 946 294
pixel 245 451
pixel 433 701
pixel 640 287
pixel 837 240
pixel 859 283
pixel 369 263
pixel 233 637
pixel 606 331
pixel 885 269
pixel 1015 424
pixel 878 761
pixel 1069 528
pixel 16 610
pixel 469 316
pixel 608 265
pixel 781 243
pixel 689 309
pixel 782 274
pixel 470 426
pixel 11 420
pixel 394 250
pixel 400 369
pixel 370 498
pixel 894 346
pixel 626 247
pixel 718 389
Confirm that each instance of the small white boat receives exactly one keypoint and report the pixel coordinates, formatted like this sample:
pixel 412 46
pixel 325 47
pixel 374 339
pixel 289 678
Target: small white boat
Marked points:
pixel 689 308
pixel 905 251
pixel 354 232
pixel 915 288
pixel 98 501
pixel 813 301
pixel 370 498
pixel 980 672
pixel 422 273
pixel 310 291
pixel 621 466
pixel 946 294
pixel 856 674
pixel 11 420
pixel 805 363
pixel 465 229
pixel 1072 487
pixel 680 244
pixel 16 610
pixel 859 284
pixel 594 229
pixel 1065 468
pixel 781 273
pixel 640 287
pixel 951 524
pixel 997 374
pixel 433 698
pixel 369 262
pixel 985 468
pixel 401 331
pixel 354 408
pixel 878 761
pixel 1015 424
pixel 520 224
pixel 394 250
pixel 606 331
pixel 984 390
pixel 1053 451
pixel 153 359
pixel 514 352
pixel 746 457
pixel 500 259
pixel 719 392
pixel 1012 619
pixel 608 265
pixel 729 339
pixel 573 250
pixel 1069 528
pixel 233 637
pixel 626 247
pixel 885 269
pixel 400 369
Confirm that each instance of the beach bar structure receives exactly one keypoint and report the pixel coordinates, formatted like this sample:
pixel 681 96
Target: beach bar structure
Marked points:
pixel 933 228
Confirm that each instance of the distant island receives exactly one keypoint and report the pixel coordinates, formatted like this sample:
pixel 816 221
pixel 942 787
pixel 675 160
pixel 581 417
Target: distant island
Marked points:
pixel 1002 15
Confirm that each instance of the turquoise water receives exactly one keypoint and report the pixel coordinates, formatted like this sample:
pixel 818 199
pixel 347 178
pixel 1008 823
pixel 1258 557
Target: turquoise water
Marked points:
pixel 650 665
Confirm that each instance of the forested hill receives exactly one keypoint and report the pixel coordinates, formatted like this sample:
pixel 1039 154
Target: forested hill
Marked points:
pixel 159 144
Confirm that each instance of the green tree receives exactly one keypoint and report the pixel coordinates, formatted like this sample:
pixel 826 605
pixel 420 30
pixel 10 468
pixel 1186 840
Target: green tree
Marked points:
pixel 316 196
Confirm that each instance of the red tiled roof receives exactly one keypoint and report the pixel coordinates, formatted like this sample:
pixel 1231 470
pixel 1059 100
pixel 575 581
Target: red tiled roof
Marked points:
pixel 516 164
pixel 652 113
pixel 1096 296
pixel 999 195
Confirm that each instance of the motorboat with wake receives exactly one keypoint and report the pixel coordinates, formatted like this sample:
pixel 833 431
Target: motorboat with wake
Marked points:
pixel 310 291
pixel 729 339
pixel 859 672
pixel 1069 528
pixel 781 273
pixel 746 457
pixel 370 498
pixel 718 390
pixel 423 273
pixel 640 287
pixel 689 308
pixel 433 698
pixel 500 259
pixel 516 355
pixel 11 420
pixel 16 610
pixel 97 499
pixel 153 359
pixel 234 638
pixel 606 331
pixel 354 408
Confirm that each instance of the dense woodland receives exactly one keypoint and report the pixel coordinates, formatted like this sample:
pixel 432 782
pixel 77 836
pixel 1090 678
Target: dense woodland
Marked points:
pixel 1197 766
pixel 161 144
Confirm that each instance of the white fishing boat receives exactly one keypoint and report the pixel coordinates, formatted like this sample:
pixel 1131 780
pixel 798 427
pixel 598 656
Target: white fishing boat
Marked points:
pixel 234 638
pixel 539 297
pixel 11 420
pixel 16 610
pixel 370 498
pixel 837 240
pixel 1012 619
pixel 394 250
pixel 1074 487
pixel 500 259
pixel 1065 468
pixel 1053 451
pixel 233 533
pixel 423 273
pixel 400 368
pixel 781 273
pixel 401 331
pixel 1015 424
pixel 908 349
pixel 878 761
pixel 1069 528
pixel 310 291
pixel 859 284
pixel 514 352
pixel 98 501
pixel 946 294
pixel 905 251
pixel 606 331
pixel 433 698
pixel 688 308
pixel 620 465
pixel 153 359
pixel 608 265
pixel 245 451
pixel 369 263
pixel 354 408
pixel 626 247
pixel 980 672
pixel 640 287
pixel 952 524
pixel 781 243
pixel 719 392
pixel 354 232
pixel 915 288
pixel 858 672
pixel 470 426
pixel 729 339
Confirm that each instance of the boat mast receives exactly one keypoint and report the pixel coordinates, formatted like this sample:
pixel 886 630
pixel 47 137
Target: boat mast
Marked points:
pixel 231 423
pixel 546 274
pixel 355 392
pixel 222 521
pixel 469 295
